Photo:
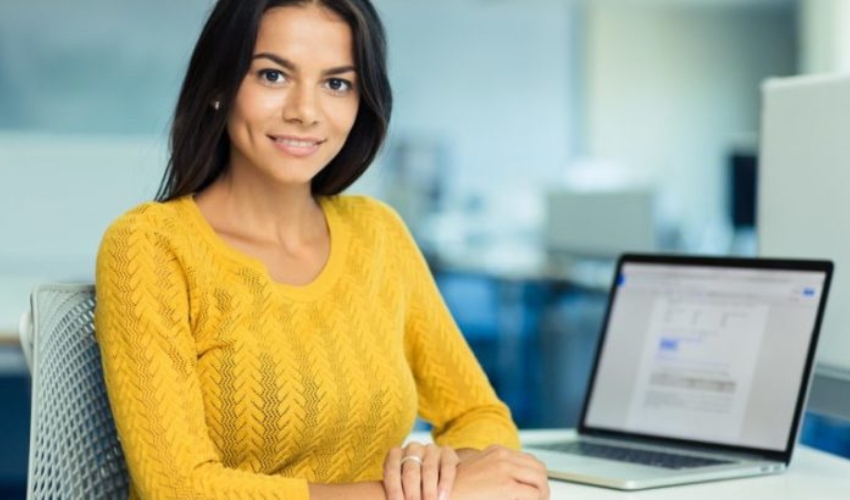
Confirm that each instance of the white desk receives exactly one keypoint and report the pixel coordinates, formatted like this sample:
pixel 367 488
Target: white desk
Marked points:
pixel 813 475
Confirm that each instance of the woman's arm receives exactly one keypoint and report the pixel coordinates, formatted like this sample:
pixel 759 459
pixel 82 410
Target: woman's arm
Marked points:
pixel 454 393
pixel 456 397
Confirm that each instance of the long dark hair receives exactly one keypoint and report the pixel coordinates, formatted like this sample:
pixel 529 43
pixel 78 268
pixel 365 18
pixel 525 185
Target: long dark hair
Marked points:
pixel 200 147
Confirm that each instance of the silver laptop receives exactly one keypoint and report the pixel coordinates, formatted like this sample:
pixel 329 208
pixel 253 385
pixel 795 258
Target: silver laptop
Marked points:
pixel 701 373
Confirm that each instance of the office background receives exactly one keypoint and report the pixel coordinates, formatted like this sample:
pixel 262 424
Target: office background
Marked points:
pixel 503 107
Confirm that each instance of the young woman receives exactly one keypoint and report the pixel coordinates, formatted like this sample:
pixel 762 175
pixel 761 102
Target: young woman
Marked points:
pixel 265 337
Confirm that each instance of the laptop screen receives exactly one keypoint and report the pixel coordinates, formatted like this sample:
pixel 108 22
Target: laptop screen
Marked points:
pixel 706 353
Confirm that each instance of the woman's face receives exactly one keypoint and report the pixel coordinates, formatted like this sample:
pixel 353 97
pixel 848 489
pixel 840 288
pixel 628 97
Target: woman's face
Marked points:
pixel 298 102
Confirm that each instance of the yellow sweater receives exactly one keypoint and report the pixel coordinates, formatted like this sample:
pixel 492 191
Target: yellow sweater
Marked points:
pixel 227 384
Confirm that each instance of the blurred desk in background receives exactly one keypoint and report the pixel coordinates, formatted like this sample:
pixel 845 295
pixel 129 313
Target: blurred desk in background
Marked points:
pixel 15 416
pixel 533 323
pixel 524 263
pixel 9 338
pixel 12 360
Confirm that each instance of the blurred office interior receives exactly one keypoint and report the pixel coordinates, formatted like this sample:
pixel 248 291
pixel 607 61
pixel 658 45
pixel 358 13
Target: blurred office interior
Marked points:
pixel 531 142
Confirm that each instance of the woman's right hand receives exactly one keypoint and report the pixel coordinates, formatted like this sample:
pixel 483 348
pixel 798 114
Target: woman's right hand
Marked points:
pixel 498 473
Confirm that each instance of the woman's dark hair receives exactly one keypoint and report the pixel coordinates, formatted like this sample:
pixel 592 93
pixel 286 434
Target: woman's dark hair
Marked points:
pixel 200 147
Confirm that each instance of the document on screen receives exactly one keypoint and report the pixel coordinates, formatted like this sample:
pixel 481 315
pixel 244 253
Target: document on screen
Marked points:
pixel 697 367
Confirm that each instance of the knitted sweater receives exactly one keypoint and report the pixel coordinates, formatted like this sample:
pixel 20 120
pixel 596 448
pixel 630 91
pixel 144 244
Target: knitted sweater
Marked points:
pixel 226 384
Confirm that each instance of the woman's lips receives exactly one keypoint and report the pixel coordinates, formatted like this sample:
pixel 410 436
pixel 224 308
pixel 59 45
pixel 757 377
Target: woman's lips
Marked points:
pixel 296 146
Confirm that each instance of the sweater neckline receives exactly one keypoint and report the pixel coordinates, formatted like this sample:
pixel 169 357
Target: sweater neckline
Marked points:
pixel 321 283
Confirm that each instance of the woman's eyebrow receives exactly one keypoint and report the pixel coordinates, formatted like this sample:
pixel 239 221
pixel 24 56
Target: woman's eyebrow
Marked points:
pixel 285 63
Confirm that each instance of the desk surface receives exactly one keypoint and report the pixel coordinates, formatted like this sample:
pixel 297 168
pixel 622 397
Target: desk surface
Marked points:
pixel 812 475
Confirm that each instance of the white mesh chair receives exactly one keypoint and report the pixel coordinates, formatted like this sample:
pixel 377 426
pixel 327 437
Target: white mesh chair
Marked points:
pixel 74 448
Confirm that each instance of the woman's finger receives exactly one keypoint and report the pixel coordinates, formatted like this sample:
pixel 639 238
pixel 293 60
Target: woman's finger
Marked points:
pixel 392 475
pixel 448 472
pixel 411 471
pixel 430 471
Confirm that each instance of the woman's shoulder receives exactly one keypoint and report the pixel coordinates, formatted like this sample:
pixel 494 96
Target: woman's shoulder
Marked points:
pixel 151 217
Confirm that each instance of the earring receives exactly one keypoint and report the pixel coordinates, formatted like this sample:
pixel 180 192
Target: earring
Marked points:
pixel 216 104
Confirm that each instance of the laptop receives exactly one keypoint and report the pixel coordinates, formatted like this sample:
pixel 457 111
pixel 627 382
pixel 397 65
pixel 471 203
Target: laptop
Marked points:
pixel 701 373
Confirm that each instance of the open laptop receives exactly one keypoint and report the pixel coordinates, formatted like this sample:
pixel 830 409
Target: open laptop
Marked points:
pixel 701 373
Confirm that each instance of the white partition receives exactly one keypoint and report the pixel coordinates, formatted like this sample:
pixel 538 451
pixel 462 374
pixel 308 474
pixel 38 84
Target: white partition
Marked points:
pixel 804 197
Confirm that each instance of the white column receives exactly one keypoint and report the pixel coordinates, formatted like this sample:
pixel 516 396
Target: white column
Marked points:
pixel 824 36
pixel 842 30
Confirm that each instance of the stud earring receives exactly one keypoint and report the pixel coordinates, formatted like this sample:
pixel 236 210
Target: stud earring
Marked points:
pixel 216 104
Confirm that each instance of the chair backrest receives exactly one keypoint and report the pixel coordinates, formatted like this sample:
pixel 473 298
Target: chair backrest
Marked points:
pixel 74 448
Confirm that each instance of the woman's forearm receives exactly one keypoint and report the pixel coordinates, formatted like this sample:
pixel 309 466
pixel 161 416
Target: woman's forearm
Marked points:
pixel 367 491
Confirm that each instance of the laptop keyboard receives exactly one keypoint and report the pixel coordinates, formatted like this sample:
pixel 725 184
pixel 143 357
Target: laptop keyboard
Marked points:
pixel 631 455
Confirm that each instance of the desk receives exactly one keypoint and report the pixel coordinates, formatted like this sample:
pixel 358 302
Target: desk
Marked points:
pixel 9 338
pixel 12 362
pixel 812 475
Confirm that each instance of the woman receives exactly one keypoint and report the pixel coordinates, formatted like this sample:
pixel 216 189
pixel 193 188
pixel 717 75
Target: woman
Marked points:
pixel 263 337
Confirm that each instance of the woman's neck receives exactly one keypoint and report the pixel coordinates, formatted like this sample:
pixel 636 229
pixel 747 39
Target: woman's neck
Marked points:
pixel 251 208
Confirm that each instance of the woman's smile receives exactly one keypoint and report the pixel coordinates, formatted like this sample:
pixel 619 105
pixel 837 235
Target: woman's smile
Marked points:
pixel 296 146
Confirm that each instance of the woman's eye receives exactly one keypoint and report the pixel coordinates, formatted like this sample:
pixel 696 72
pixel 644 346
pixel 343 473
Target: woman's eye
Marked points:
pixel 339 85
pixel 272 76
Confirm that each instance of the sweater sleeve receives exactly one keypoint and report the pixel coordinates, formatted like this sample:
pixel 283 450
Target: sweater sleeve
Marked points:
pixel 455 395
pixel 149 360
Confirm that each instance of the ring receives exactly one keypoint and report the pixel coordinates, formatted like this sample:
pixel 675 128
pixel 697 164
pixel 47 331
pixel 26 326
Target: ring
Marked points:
pixel 412 458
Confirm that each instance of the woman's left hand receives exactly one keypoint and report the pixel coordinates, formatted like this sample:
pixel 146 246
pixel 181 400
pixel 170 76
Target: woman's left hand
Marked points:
pixel 420 472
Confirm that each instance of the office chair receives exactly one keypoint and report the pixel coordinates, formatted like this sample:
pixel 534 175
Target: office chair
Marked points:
pixel 74 448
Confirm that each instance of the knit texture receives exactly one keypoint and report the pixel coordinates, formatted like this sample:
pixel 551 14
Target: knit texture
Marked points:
pixel 227 384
